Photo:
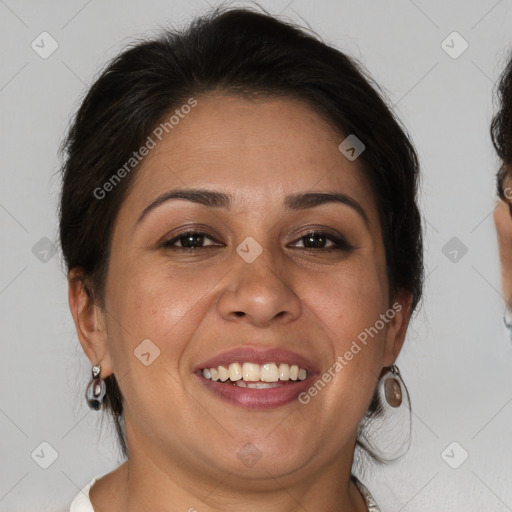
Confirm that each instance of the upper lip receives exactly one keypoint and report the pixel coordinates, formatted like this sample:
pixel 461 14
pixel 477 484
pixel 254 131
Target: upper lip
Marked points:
pixel 259 355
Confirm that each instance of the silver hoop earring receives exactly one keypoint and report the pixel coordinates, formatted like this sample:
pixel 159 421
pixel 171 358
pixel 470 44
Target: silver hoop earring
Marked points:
pixel 392 387
pixel 96 389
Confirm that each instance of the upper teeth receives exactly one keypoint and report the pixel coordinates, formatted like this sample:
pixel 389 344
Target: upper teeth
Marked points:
pixel 253 372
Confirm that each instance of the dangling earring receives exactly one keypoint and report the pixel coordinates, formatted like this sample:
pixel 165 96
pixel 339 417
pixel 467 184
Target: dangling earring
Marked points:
pixel 96 389
pixel 507 320
pixel 392 388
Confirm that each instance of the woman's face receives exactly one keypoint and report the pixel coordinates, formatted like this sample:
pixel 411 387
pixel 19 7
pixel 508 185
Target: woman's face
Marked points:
pixel 257 280
pixel 503 224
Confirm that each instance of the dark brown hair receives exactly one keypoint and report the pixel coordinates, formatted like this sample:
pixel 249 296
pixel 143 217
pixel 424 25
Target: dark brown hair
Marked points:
pixel 501 129
pixel 240 52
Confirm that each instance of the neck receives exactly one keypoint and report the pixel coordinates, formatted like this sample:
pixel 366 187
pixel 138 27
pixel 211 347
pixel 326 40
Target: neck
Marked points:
pixel 151 481
pixel 166 479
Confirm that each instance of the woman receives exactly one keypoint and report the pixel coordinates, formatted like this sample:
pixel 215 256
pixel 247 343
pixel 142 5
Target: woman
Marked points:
pixel 501 133
pixel 244 252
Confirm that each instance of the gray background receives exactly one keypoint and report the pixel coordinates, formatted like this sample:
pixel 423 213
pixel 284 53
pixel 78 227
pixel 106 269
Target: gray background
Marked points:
pixel 457 361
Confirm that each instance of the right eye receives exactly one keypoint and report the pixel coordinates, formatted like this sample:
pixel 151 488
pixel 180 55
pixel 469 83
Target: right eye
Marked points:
pixel 188 241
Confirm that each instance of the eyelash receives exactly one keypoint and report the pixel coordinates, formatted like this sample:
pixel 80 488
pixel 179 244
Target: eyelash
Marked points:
pixel 340 243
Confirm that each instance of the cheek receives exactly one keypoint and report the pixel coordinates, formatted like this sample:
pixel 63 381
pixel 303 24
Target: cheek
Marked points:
pixel 346 307
pixel 346 303
pixel 153 317
pixel 155 304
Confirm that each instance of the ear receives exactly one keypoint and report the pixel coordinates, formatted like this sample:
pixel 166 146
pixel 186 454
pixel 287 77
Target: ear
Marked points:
pixel 397 327
pixel 89 321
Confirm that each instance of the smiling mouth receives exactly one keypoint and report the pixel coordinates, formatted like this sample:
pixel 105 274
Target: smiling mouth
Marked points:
pixel 256 376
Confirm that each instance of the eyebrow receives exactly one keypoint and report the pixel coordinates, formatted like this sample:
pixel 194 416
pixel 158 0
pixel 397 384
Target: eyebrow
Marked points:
pixel 294 202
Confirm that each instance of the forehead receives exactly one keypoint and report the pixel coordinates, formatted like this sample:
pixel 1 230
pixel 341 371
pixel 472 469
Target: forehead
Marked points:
pixel 258 150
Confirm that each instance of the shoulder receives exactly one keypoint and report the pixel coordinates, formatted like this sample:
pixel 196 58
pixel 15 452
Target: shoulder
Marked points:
pixel 82 502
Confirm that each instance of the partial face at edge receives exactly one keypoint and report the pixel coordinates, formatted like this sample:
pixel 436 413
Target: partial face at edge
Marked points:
pixel 503 224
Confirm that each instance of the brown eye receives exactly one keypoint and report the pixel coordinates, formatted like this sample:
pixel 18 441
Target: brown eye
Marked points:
pixel 189 241
pixel 319 240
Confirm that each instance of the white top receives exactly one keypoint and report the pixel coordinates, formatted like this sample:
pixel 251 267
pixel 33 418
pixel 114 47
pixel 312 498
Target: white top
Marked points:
pixel 82 503
pixel 368 498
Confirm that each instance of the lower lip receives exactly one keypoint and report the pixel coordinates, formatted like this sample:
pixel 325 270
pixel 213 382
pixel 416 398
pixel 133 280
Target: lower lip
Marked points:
pixel 266 398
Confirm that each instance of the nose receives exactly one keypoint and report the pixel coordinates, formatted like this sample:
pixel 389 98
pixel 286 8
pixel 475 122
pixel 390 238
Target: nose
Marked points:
pixel 259 293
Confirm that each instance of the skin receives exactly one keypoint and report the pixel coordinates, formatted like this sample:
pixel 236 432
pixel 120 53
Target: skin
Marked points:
pixel 503 223
pixel 183 440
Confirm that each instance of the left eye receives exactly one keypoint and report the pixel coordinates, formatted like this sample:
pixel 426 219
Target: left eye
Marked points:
pixel 318 239
pixel 194 240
